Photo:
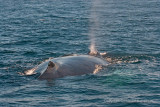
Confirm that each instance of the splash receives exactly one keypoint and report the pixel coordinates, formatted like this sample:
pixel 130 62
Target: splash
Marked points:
pixel 28 72
pixel 97 68
pixel 94 26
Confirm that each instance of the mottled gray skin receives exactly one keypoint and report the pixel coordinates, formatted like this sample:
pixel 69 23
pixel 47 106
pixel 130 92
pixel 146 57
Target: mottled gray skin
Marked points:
pixel 68 66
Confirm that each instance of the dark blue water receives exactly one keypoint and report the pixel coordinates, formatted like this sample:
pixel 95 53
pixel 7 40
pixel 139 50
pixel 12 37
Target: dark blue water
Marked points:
pixel 31 31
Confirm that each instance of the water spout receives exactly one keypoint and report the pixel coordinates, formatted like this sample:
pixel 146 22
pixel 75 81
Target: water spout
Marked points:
pixel 93 27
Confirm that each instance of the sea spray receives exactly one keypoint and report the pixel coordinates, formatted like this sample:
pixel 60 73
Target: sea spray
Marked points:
pixel 94 25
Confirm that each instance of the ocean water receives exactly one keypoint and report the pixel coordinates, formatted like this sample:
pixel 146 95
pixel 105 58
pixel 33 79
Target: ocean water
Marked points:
pixel 32 31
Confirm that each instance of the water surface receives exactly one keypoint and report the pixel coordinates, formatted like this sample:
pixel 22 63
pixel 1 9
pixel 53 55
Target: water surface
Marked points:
pixel 31 31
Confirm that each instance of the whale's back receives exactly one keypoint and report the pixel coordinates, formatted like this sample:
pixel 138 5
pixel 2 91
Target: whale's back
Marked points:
pixel 71 65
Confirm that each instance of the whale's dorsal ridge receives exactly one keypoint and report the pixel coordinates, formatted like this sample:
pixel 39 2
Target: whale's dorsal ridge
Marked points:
pixel 51 64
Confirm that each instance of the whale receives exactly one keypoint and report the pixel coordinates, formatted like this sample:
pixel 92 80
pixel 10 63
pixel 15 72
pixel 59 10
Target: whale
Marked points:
pixel 72 65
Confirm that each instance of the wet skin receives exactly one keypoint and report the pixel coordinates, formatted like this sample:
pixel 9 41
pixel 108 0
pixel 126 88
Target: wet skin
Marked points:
pixel 68 66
